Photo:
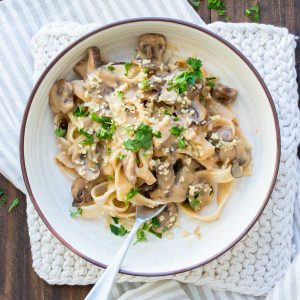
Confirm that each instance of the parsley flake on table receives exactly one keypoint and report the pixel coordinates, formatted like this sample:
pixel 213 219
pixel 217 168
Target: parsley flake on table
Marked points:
pixel 253 12
pixel 80 112
pixel 142 139
pixel 60 132
pixel 127 67
pixel 14 204
pixel 76 212
pixel 133 192
pixel 187 77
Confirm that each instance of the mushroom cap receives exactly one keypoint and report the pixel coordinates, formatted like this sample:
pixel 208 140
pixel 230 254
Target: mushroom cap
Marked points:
pixel 225 133
pixel 81 192
pixel 91 62
pixel 224 94
pixel 236 169
pixel 61 97
pixel 153 46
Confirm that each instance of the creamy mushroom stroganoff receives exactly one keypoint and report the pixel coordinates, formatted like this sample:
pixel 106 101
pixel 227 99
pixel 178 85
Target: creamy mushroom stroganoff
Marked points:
pixel 147 132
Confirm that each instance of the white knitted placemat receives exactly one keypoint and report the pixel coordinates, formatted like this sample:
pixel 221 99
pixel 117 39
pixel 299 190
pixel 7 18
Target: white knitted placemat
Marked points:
pixel 261 258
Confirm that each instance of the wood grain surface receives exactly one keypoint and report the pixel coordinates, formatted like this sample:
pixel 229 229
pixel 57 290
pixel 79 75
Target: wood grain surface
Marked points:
pixel 17 277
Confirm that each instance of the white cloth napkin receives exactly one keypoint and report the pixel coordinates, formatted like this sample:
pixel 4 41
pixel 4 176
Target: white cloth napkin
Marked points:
pixel 19 21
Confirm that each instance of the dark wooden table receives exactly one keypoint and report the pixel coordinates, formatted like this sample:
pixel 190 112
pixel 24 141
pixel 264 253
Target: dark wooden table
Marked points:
pixel 17 278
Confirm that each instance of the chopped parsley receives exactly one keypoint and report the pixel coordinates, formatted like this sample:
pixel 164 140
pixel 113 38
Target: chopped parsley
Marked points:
pixel 187 77
pixel 80 112
pixel 3 200
pixel 211 81
pixel 108 126
pixel 120 95
pixel 146 70
pixel 14 204
pixel 1 192
pixel 157 134
pixel 218 6
pixel 167 113
pixel 60 132
pixel 116 220
pixel 176 119
pixel 119 231
pixel 127 67
pixel 108 151
pixel 140 234
pixel 89 138
pixel 76 212
pixel 110 68
pixel 133 192
pixel 121 156
pixel 176 131
pixel 195 3
pixel 253 12
pixel 145 84
pixel 181 143
pixel 129 128
pixel 143 139
pixel 109 178
pixel 194 202
pixel 155 222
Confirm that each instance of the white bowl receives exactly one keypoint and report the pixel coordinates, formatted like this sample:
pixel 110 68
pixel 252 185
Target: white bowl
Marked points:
pixel 49 189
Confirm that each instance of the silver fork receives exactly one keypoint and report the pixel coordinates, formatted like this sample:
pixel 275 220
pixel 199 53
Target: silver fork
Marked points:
pixel 102 288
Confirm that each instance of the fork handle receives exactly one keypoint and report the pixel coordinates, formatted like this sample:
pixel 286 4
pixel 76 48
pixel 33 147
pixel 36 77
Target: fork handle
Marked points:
pixel 102 288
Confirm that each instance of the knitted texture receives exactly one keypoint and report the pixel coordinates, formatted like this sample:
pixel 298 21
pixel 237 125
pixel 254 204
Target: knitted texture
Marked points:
pixel 261 258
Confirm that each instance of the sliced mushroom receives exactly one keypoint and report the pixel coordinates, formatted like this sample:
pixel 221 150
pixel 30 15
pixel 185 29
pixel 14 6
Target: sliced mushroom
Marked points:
pixel 90 63
pixel 196 113
pixel 78 86
pixel 241 153
pixel 201 196
pixel 167 218
pixel 225 133
pixel 129 164
pixel 226 154
pixel 224 94
pixel 236 169
pixel 61 97
pixel 194 90
pixel 81 192
pixel 153 46
pixel 145 189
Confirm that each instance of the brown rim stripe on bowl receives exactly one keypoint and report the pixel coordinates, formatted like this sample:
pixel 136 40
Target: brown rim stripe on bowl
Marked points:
pixel 182 23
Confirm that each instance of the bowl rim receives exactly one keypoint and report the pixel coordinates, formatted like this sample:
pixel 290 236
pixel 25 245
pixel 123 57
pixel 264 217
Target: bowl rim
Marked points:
pixel 136 20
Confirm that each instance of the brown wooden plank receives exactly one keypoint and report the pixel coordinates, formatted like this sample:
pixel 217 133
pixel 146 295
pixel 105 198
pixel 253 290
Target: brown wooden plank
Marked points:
pixel 17 278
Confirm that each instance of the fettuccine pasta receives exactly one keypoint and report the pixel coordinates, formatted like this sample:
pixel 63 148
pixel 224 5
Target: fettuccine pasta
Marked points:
pixel 151 131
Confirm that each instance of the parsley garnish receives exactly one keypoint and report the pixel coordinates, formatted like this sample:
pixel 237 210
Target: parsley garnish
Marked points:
pixel 76 213
pixel 253 12
pixel 1 192
pixel 194 203
pixel 217 5
pixel 80 112
pixel 127 67
pixel 176 131
pixel 108 151
pixel 60 132
pixel 186 78
pixel 3 198
pixel 143 139
pixel 120 95
pixel 145 84
pixel 109 178
pixel 14 204
pixel 176 119
pixel 89 140
pixel 167 113
pixel 111 68
pixel 116 220
pixel 119 231
pixel 146 70
pixel 157 134
pixel 133 192
pixel 129 128
pixel 121 156
pixel 211 81
pixel 181 143
pixel 195 3
pixel 140 234
pixel 155 222
pixel 108 126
